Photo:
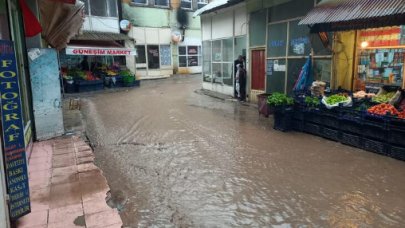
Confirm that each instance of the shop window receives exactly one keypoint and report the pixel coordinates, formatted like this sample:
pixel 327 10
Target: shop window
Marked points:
pixel 86 6
pixel 217 73
pixel 318 46
pixel 277 40
pixel 4 28
pixel 275 77
pixel 153 56
pixel 291 9
pixel 162 3
pixel 201 3
pixel 257 28
pixel 227 70
pixel 217 51
pixel 227 50
pixel 294 67
pixel 240 46
pixel 322 69
pixel 186 4
pixel 222 61
pixel 189 56
pixel 141 57
pixel 299 42
pixel 140 1
pixel 206 52
pixel 165 55
pixel 103 8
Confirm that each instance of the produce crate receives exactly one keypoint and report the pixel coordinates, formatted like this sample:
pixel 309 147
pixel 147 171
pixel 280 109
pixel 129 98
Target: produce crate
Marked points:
pixel 264 109
pixel 396 136
pixel 330 120
pixel 330 133
pixel 87 86
pixel 351 139
pixel 375 146
pixel 298 125
pixel 397 152
pixel 351 126
pixel 313 117
pixel 374 130
pixel 283 120
pixel 311 128
pixel 133 84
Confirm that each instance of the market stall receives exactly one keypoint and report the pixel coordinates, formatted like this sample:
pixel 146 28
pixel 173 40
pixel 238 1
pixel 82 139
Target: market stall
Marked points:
pixel 91 68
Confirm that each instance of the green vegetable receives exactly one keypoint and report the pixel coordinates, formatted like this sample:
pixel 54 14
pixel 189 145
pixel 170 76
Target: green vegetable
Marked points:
pixel 312 101
pixel 335 99
pixel 383 98
pixel 278 99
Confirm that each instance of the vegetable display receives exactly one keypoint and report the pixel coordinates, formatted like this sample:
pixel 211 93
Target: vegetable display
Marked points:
pixel 383 109
pixel 361 94
pixel 336 99
pixel 278 99
pixel 312 101
pixel 383 98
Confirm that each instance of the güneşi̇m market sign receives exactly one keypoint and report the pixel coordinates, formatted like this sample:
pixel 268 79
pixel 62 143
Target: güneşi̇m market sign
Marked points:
pixel 13 133
pixel 100 51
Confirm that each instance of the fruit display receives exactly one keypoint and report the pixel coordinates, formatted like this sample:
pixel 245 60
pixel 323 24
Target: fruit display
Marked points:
pixel 383 109
pixel 111 73
pixel 361 94
pixel 383 98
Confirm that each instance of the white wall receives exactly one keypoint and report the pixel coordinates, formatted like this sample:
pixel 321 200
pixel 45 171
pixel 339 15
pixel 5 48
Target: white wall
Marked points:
pixel 206 27
pixel 101 24
pixel 241 22
pixel 222 25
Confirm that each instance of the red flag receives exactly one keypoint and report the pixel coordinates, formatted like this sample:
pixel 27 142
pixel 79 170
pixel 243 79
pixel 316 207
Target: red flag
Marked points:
pixel 32 26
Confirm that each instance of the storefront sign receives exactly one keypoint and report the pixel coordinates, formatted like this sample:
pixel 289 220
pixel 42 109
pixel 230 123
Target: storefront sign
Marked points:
pixel 382 37
pixel 99 51
pixel 13 133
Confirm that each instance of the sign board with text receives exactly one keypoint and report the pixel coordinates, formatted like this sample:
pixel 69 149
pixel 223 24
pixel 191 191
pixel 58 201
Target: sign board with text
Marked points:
pixel 13 133
pixel 100 51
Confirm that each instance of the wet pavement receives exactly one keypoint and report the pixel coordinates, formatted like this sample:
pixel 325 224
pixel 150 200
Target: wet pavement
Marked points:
pixel 177 158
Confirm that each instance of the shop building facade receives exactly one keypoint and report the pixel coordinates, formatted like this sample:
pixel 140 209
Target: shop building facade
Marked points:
pixel 163 48
pixel 277 47
pixel 225 38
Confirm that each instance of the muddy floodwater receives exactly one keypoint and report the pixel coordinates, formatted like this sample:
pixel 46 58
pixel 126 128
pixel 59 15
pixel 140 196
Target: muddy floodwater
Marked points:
pixel 177 158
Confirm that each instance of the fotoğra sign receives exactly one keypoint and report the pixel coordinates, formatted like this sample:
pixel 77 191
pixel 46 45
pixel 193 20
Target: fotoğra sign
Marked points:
pixel 13 133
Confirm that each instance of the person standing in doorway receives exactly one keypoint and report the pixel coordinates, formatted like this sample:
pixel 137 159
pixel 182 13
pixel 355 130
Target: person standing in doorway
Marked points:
pixel 242 83
pixel 237 62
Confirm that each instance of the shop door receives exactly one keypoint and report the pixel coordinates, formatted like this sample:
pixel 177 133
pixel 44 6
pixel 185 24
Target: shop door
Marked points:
pixel 46 93
pixel 258 70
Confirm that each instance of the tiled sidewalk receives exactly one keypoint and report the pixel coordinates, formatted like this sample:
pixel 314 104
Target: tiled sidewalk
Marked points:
pixel 67 189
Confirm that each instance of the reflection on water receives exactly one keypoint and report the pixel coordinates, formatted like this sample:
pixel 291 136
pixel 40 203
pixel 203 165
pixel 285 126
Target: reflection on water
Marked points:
pixel 187 160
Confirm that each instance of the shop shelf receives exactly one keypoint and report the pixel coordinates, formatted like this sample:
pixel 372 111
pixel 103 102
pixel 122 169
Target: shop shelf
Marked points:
pixel 351 139
pixel 263 108
pixel 311 128
pixel 397 152
pixel 375 146
pixel 330 133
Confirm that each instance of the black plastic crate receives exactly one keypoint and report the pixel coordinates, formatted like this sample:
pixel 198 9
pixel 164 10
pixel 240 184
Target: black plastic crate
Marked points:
pixel 351 139
pixel 283 120
pixel 374 130
pixel 298 125
pixel 330 133
pixel 313 117
pixel 375 146
pixel 397 136
pixel 397 152
pixel 311 128
pixel 331 121
pixel 351 126
pixel 298 114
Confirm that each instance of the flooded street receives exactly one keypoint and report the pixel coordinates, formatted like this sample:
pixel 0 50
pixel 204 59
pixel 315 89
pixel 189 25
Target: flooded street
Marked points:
pixel 177 158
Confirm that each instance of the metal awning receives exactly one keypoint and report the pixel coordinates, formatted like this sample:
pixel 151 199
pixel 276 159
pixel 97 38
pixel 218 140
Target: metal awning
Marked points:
pixel 339 15
pixel 216 5
pixel 106 36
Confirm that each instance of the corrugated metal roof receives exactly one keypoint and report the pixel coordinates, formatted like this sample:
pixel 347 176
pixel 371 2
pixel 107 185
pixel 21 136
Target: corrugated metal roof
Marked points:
pixel 355 14
pixel 216 5
pixel 106 36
